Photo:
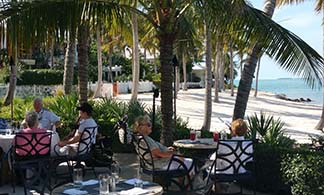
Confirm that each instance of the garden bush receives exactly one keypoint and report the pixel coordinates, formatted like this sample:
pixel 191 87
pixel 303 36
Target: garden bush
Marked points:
pixel 304 172
pixel 40 77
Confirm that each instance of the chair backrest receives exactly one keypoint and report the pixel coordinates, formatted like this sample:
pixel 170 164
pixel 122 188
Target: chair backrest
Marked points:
pixel 143 151
pixel 31 145
pixel 232 156
pixel 87 139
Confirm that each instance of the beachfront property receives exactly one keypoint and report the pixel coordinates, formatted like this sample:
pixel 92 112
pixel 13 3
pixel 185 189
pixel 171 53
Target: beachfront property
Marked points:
pixel 159 97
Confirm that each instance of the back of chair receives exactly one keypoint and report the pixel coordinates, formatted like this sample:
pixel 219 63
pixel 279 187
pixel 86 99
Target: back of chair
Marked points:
pixel 232 156
pixel 87 139
pixel 31 145
pixel 143 151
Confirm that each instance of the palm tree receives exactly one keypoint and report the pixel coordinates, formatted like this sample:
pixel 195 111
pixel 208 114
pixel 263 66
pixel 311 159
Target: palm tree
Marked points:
pixel 283 46
pixel 135 59
pixel 97 93
pixel 318 8
pixel 69 62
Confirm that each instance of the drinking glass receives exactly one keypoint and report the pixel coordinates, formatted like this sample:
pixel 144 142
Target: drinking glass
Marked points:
pixel 216 136
pixel 192 135
pixel 138 179
pixel 198 134
pixel 104 181
pixel 115 170
pixel 223 135
pixel 77 176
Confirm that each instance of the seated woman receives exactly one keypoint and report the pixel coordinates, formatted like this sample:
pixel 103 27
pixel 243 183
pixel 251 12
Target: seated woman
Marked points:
pixel 70 144
pixel 238 130
pixel 31 119
pixel 160 153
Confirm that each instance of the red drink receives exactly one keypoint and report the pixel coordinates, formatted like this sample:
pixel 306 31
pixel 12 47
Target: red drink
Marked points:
pixel 216 136
pixel 192 135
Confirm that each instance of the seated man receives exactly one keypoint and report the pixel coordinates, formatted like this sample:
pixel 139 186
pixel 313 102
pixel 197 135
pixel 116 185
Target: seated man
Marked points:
pixel 69 146
pixel 160 153
pixel 46 118
pixel 31 119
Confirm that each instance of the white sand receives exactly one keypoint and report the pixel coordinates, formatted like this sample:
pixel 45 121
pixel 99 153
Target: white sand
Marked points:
pixel 300 118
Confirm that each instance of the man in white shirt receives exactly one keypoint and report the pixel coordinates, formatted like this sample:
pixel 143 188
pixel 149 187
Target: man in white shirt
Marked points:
pixel 46 118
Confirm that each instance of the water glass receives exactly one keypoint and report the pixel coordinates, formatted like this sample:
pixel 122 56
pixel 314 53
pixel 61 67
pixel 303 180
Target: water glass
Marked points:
pixel 112 184
pixel 138 179
pixel 223 135
pixel 198 134
pixel 192 135
pixel 104 181
pixel 216 136
pixel 77 176
pixel 115 170
pixel 8 131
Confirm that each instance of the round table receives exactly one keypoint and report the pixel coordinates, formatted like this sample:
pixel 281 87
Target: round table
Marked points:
pixel 121 187
pixel 199 144
pixel 199 149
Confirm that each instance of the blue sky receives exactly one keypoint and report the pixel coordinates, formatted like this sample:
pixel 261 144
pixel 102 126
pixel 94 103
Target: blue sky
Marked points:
pixel 300 19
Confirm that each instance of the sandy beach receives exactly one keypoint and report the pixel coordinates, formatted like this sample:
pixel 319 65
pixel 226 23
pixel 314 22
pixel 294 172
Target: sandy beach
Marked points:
pixel 300 118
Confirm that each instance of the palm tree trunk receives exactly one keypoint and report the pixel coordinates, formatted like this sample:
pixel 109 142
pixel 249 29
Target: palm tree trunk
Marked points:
pixel 136 64
pixel 257 78
pixel 320 124
pixel 208 82
pixel 221 71
pixel 69 63
pixel 245 84
pixel 184 69
pixel 110 62
pixel 231 70
pixel 52 52
pixel 166 54
pixel 83 44
pixel 12 80
pixel 99 57
pixel 216 71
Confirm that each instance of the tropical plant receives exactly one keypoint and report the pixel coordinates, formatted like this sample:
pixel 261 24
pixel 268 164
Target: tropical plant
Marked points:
pixel 268 130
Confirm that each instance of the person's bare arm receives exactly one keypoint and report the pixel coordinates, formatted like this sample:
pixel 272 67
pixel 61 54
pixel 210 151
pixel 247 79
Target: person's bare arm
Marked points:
pixel 74 139
pixel 158 153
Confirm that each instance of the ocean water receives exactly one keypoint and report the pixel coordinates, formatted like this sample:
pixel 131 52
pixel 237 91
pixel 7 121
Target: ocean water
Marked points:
pixel 292 87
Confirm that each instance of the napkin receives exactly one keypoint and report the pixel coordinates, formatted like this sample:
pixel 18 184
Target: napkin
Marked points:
pixel 134 191
pixel 75 192
pixel 134 180
pixel 90 182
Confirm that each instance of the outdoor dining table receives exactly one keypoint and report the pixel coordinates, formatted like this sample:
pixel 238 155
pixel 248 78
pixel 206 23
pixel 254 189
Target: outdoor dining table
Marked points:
pixel 199 149
pixel 6 142
pixel 122 187
pixel 198 144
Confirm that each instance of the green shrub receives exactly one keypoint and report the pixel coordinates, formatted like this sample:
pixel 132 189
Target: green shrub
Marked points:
pixel 65 108
pixel 304 171
pixel 40 77
pixel 268 130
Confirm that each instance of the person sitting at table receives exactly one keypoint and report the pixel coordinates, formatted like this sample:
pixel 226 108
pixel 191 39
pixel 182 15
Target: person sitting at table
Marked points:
pixel 46 118
pixel 160 153
pixel 238 130
pixel 31 119
pixel 69 145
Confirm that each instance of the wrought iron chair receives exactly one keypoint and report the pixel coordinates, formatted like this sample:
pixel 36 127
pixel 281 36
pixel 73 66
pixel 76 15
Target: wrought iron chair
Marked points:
pixel 82 154
pixel 233 162
pixel 30 156
pixel 178 175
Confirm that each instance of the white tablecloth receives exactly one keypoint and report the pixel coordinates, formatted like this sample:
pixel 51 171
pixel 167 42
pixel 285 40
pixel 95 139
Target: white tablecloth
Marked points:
pixel 6 142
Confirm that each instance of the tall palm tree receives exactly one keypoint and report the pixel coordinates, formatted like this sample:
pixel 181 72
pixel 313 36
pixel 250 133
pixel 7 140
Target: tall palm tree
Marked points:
pixel 283 46
pixel 135 59
pixel 318 8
